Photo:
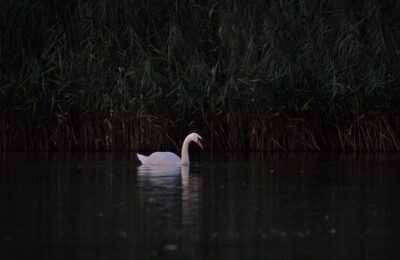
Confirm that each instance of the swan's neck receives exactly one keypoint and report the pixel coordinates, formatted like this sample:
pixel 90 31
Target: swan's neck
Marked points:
pixel 185 152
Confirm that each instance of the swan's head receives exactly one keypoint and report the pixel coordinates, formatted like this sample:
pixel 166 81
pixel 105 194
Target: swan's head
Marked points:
pixel 194 137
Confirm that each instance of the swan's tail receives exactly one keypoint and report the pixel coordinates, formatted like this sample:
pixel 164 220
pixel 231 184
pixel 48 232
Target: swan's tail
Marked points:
pixel 142 158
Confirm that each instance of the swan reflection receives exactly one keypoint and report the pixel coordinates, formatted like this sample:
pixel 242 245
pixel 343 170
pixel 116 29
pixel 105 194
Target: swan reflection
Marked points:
pixel 172 193
pixel 166 176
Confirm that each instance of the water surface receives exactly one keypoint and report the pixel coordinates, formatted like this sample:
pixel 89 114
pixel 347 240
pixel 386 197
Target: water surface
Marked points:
pixel 224 206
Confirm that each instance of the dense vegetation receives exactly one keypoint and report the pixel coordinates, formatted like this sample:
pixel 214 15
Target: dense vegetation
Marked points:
pixel 247 75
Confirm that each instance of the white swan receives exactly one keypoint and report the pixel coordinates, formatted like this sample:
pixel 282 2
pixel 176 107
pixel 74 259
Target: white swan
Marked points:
pixel 168 158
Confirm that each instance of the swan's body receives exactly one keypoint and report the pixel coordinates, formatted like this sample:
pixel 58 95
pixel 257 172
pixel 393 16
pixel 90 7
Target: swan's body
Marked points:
pixel 160 158
pixel 169 158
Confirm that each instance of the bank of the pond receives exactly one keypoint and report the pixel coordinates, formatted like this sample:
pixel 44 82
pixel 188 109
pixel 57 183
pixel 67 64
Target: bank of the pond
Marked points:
pixel 126 75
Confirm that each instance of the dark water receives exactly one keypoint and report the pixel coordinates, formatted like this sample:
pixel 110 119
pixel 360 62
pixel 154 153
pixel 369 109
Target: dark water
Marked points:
pixel 233 206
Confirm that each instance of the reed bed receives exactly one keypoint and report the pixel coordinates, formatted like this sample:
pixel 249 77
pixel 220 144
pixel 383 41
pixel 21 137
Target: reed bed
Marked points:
pixel 260 75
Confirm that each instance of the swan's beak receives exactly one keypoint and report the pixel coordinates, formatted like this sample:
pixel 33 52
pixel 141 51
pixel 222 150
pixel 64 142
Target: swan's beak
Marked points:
pixel 200 144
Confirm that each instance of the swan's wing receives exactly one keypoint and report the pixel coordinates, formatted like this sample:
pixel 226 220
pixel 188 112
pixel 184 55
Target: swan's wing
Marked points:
pixel 142 158
pixel 163 158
